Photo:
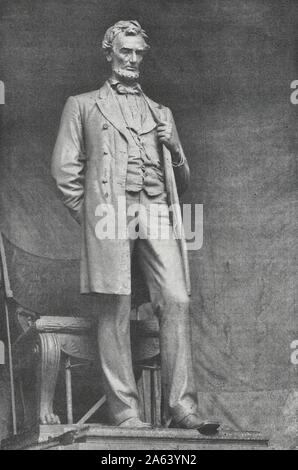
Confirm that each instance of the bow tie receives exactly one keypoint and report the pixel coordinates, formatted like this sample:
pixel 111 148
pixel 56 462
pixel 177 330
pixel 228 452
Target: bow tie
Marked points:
pixel 124 90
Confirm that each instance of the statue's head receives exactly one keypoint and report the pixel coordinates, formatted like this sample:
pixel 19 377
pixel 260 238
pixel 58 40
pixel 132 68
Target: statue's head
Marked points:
pixel 125 45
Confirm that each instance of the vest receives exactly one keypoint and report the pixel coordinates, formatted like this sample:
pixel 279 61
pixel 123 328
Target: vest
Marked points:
pixel 144 168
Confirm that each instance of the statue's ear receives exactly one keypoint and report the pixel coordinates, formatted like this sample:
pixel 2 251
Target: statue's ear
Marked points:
pixel 109 55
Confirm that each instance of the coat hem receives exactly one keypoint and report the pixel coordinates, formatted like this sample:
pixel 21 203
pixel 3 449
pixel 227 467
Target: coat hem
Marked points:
pixel 105 291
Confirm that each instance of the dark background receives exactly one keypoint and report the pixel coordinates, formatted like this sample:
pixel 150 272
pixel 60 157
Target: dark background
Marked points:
pixel 224 68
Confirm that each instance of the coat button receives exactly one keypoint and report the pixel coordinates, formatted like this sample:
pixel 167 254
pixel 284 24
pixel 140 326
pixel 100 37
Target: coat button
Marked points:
pixel 105 126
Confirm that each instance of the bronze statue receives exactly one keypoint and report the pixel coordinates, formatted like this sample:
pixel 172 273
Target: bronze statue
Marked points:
pixel 116 144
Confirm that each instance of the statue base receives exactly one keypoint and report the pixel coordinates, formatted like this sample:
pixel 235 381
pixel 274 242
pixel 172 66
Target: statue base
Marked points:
pixel 100 437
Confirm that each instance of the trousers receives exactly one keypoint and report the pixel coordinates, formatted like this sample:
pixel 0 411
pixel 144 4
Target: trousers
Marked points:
pixel 158 254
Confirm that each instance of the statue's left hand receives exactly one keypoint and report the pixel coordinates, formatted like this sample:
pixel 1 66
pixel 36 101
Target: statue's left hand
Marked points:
pixel 165 135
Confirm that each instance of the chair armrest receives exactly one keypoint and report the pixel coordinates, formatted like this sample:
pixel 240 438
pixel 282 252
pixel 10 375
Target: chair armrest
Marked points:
pixel 72 325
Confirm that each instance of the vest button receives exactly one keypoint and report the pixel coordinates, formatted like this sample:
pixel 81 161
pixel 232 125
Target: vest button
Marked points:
pixel 105 126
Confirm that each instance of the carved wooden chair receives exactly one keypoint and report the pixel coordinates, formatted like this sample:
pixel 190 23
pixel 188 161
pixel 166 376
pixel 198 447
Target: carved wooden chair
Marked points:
pixel 51 333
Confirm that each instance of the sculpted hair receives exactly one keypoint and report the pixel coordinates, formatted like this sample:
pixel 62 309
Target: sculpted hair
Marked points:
pixel 129 28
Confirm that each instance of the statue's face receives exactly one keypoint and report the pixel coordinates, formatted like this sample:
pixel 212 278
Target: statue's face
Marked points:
pixel 126 56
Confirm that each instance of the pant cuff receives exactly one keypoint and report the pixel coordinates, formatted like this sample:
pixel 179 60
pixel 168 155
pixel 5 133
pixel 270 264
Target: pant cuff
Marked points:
pixel 179 413
pixel 124 415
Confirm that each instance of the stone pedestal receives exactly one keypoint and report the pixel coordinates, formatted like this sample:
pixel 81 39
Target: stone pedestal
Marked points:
pixel 99 437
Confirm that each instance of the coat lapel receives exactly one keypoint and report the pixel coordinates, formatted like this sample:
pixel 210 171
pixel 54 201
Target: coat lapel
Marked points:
pixel 110 108
pixel 154 108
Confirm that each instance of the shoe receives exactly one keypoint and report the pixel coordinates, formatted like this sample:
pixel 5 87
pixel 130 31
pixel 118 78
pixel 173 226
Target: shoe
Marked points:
pixel 134 423
pixel 192 421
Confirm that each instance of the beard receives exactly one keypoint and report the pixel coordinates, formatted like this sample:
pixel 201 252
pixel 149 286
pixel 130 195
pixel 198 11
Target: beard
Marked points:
pixel 127 75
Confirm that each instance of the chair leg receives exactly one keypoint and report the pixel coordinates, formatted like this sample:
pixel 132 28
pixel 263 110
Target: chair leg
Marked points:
pixel 157 395
pixel 147 395
pixel 68 387
pixel 151 394
pixel 152 397
pixel 155 386
pixel 47 374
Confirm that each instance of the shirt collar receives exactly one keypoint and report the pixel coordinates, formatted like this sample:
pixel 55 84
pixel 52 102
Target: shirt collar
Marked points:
pixel 123 89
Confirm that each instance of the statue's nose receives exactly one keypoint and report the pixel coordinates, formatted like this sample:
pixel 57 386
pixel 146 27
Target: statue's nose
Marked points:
pixel 133 57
